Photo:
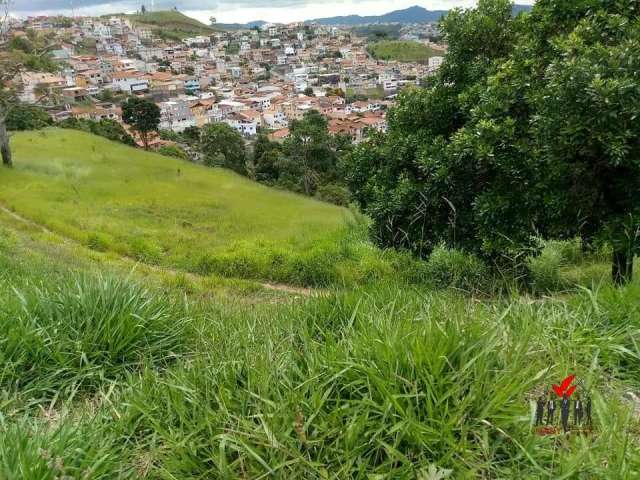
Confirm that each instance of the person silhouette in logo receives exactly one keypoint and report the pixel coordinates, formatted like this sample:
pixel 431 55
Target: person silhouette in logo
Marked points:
pixel 564 413
pixel 551 410
pixel 577 411
pixel 540 410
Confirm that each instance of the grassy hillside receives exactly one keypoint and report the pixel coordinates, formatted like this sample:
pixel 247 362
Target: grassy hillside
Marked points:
pixel 402 51
pixel 172 23
pixel 104 377
pixel 168 212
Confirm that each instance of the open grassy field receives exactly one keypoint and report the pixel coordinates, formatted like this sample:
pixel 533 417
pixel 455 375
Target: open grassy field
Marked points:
pixel 172 213
pixel 402 51
pixel 102 377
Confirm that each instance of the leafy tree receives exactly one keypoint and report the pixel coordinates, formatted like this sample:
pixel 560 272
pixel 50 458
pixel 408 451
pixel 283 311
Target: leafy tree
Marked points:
pixel 588 126
pixel 27 117
pixel 309 157
pixel 309 92
pixel 529 128
pixel 191 136
pixel 222 146
pixel 143 116
pixel 12 61
pixel 266 159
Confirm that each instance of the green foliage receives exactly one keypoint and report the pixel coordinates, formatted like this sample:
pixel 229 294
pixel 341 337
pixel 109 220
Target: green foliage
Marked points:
pixel 526 130
pixel 232 49
pixel 82 332
pixel 113 380
pixel 27 117
pixel 449 268
pixel 32 449
pixel 169 212
pixel 99 242
pixel 106 128
pixel 223 146
pixel 31 52
pixel 266 158
pixel 310 158
pixel 332 193
pixel 142 115
pixel 172 23
pixel 173 151
pixel 403 51
pixel 378 32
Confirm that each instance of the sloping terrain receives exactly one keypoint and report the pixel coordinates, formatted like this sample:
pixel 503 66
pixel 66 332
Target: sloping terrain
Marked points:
pixel 164 211
pixel 173 22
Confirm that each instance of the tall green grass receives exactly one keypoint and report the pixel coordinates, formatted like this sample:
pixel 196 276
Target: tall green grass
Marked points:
pixel 388 383
pixel 101 377
pixel 80 332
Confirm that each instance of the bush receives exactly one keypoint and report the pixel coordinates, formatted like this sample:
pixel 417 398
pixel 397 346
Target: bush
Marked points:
pixel 105 128
pixel 28 117
pixel 333 193
pixel 173 151
pixel 145 251
pixel 451 268
pixel 544 267
pixel 98 241
pixel 544 270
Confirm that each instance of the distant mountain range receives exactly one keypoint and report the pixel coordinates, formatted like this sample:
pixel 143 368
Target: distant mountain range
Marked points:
pixel 241 26
pixel 414 14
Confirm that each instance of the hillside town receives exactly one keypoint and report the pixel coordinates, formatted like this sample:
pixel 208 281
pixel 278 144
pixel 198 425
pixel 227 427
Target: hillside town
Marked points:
pixel 256 80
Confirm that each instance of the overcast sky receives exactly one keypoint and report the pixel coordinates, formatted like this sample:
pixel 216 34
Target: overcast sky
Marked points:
pixel 236 11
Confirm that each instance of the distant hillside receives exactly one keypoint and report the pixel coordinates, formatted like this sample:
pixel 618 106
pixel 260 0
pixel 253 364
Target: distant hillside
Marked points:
pixel 401 51
pixel 241 26
pixel 173 24
pixel 414 14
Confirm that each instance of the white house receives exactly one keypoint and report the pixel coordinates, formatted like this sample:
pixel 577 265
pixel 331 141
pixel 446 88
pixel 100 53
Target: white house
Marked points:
pixel 176 116
pixel 245 126
pixel 129 82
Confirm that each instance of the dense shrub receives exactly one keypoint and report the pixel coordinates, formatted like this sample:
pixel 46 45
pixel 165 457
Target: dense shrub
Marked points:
pixel 145 250
pixel 173 151
pixel 99 241
pixel 105 128
pixel 27 117
pixel 451 268
pixel 332 193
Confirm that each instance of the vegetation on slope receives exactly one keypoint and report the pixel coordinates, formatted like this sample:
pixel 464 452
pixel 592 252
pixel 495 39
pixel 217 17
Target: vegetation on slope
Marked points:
pixel 167 212
pixel 173 23
pixel 382 381
pixel 402 51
